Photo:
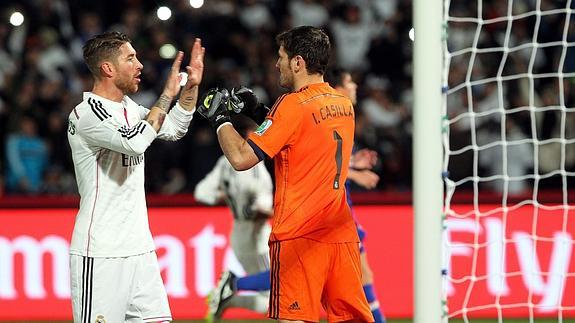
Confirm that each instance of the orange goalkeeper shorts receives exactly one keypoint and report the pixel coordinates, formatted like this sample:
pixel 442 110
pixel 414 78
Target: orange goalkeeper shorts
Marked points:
pixel 307 274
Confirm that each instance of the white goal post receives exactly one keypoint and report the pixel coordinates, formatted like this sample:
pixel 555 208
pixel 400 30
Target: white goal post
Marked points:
pixel 427 161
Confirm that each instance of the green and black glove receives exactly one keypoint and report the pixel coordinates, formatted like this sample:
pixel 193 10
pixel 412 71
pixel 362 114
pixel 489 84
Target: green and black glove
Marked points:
pixel 215 106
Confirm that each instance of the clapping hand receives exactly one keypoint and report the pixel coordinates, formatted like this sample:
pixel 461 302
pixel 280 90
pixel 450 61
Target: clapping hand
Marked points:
pixel 195 71
pixel 215 106
pixel 243 100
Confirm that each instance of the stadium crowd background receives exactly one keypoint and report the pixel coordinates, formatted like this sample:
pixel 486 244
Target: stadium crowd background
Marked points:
pixel 42 77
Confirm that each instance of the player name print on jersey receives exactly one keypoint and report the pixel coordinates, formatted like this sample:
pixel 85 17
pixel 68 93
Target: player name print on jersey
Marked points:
pixel 332 111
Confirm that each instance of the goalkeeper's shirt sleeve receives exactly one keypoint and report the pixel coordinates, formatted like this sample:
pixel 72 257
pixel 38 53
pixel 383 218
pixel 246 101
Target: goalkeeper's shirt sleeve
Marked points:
pixel 281 127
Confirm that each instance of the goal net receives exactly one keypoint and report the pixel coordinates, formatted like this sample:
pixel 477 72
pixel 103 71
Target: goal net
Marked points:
pixel 509 159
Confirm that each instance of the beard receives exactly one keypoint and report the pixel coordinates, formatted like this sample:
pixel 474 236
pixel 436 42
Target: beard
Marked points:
pixel 286 81
pixel 126 85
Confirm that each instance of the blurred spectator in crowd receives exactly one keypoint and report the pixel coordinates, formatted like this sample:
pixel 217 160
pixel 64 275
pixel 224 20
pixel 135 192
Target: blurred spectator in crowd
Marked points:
pixel 352 35
pixel 54 60
pixel 7 62
pixel 511 162
pixel 27 158
pixel 89 24
pixel 379 107
pixel 308 13
pixel 255 16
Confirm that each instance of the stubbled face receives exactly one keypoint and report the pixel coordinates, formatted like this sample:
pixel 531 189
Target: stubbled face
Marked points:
pixel 128 70
pixel 284 66
pixel 349 88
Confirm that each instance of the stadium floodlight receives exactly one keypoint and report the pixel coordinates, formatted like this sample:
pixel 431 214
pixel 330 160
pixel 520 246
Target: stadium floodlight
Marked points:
pixel 196 3
pixel 164 13
pixel 167 51
pixel 16 19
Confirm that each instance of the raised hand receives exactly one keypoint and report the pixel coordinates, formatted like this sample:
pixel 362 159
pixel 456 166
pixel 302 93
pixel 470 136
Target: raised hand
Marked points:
pixel 244 100
pixel 195 68
pixel 172 86
pixel 195 71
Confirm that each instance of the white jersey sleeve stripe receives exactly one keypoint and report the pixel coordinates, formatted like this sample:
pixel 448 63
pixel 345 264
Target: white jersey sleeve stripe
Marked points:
pixel 98 109
pixel 130 133
pixel 101 108
pixel 96 112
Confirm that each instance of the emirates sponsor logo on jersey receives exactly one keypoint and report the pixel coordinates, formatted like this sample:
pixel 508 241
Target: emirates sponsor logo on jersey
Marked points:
pixel 263 127
pixel 128 160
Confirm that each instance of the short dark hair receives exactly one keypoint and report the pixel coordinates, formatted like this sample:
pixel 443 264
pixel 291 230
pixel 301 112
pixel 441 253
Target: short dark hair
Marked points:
pixel 311 43
pixel 334 76
pixel 103 47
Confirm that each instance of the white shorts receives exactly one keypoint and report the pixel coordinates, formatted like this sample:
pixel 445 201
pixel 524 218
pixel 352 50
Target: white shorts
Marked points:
pixel 125 289
pixel 249 241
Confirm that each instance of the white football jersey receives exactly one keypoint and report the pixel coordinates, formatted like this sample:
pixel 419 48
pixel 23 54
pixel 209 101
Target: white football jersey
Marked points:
pixel 246 192
pixel 108 140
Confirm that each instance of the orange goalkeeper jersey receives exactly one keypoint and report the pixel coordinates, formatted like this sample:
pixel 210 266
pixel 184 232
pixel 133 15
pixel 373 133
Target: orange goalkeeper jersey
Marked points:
pixel 309 133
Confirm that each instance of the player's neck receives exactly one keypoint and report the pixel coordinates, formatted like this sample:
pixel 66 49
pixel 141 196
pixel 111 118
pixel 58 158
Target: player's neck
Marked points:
pixel 305 79
pixel 108 90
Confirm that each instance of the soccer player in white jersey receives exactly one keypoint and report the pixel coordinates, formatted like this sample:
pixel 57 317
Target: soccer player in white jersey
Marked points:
pixel 249 195
pixel 113 266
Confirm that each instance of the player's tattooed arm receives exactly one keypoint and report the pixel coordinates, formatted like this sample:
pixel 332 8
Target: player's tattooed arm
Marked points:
pixel 188 98
pixel 158 112
pixel 164 102
pixel 156 117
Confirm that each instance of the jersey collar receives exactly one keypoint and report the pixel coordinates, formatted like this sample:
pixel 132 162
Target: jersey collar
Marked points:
pixel 107 102
pixel 313 86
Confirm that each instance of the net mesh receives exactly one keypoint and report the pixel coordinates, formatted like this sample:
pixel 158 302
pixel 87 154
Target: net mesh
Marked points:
pixel 509 159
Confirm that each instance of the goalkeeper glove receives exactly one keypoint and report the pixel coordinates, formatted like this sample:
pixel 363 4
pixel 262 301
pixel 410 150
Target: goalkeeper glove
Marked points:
pixel 243 100
pixel 215 106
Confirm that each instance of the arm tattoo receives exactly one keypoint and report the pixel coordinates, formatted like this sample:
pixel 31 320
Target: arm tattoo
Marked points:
pixel 156 119
pixel 163 102
pixel 188 98
pixel 161 119
pixel 187 101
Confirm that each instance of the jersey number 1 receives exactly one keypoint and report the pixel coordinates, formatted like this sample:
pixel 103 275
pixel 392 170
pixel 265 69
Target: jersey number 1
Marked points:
pixel 338 150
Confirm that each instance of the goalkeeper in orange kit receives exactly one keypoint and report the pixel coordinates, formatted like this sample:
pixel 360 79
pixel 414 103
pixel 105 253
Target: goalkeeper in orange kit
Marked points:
pixel 314 246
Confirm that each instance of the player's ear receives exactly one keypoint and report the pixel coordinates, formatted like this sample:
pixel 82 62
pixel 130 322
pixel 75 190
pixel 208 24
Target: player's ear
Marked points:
pixel 107 69
pixel 297 63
